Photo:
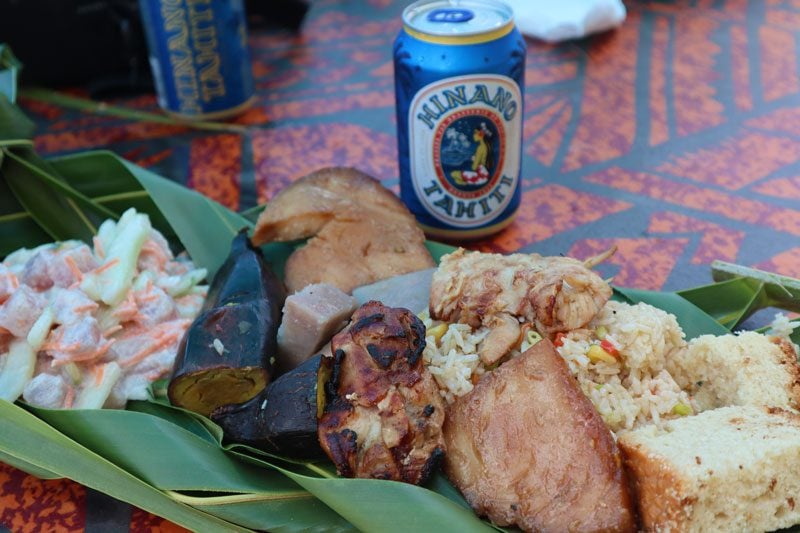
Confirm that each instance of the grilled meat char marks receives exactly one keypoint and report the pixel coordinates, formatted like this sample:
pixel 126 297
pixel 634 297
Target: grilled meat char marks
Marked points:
pixel 383 413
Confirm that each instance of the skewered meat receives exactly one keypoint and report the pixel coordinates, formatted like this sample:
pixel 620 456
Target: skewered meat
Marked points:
pixel 360 231
pixel 526 447
pixel 479 289
pixel 383 413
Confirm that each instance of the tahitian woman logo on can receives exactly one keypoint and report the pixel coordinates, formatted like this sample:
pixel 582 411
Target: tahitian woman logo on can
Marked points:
pixel 466 149
pixel 465 170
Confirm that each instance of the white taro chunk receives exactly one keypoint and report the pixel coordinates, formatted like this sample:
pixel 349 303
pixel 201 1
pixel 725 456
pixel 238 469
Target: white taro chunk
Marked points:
pixel 310 318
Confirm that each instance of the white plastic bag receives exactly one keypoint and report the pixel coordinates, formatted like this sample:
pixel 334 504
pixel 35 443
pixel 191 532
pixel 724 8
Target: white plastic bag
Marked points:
pixel 560 20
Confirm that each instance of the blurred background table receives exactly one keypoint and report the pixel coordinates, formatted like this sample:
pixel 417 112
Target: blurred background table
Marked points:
pixel 675 137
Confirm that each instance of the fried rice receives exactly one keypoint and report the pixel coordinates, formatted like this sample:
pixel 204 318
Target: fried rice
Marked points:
pixel 633 390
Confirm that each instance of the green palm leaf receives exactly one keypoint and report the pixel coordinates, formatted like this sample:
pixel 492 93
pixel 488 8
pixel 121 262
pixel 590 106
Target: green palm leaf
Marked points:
pixel 31 441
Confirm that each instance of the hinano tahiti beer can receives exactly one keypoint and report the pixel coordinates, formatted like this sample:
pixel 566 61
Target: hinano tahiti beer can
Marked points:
pixel 199 56
pixel 459 82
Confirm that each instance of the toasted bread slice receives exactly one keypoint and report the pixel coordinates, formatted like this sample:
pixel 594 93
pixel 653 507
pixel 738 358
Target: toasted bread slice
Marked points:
pixel 727 469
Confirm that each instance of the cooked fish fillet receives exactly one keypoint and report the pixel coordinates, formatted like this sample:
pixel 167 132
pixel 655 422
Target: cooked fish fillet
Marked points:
pixel 352 253
pixel 304 207
pixel 526 447
pixel 554 293
pixel 360 231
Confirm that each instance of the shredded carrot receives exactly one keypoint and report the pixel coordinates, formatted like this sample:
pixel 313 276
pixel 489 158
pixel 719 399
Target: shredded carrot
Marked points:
pixel 157 374
pixel 110 331
pixel 69 398
pixel 126 307
pixel 163 335
pixel 98 371
pixel 158 254
pixel 147 295
pixel 57 346
pixel 98 247
pixel 88 356
pixel 73 267
pixel 105 266
pixel 91 306
pixel 160 340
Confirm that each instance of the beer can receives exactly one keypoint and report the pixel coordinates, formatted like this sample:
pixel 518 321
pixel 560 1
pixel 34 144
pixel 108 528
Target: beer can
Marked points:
pixel 459 69
pixel 199 56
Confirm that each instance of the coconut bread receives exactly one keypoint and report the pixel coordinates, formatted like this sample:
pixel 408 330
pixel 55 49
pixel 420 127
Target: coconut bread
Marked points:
pixel 727 469
pixel 743 369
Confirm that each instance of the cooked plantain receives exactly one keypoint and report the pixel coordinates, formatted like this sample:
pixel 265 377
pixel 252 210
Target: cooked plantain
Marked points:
pixel 383 414
pixel 227 354
pixel 281 419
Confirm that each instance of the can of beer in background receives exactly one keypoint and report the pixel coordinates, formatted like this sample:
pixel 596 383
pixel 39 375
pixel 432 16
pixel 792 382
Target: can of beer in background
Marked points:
pixel 459 82
pixel 199 56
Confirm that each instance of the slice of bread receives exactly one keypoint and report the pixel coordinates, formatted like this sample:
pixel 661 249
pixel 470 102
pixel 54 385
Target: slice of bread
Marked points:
pixel 727 469
pixel 744 369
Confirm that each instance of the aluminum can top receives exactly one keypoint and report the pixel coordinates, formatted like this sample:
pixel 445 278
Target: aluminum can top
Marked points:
pixel 456 18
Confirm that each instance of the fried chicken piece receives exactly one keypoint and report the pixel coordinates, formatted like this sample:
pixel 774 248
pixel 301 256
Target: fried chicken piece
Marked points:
pixel 383 413
pixel 554 293
pixel 526 447
pixel 360 231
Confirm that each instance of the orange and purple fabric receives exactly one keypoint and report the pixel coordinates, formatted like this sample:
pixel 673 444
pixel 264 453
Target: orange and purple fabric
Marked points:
pixel 675 137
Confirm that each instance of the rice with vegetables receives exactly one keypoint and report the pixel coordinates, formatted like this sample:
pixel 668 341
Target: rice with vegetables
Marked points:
pixel 451 355
pixel 631 387
pixel 618 359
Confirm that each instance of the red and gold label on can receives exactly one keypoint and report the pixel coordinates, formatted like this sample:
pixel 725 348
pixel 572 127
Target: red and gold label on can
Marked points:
pixel 464 133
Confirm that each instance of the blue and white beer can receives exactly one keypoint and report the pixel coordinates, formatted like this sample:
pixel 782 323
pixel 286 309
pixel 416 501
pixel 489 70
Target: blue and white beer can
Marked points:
pixel 199 56
pixel 459 85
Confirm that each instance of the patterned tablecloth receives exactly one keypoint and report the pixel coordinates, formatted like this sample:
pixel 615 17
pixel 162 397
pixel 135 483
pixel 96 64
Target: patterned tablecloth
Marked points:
pixel 676 137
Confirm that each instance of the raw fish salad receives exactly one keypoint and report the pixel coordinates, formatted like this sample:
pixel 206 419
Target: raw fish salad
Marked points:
pixel 90 327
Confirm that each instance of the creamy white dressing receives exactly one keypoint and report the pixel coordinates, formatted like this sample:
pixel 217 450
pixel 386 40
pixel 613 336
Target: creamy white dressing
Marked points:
pixel 88 327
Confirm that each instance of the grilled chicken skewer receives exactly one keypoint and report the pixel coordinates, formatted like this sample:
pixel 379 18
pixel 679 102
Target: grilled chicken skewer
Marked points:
pixel 498 291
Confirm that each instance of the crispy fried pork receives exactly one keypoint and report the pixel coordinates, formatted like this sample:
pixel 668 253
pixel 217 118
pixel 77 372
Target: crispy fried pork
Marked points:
pixel 526 447
pixel 480 289
pixel 360 232
pixel 383 413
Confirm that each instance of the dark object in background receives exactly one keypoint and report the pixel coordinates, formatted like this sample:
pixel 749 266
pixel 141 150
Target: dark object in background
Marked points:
pixel 99 44
pixel 95 43
pixel 286 14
